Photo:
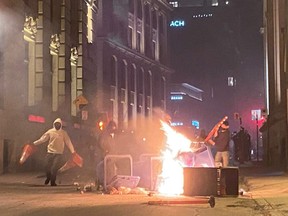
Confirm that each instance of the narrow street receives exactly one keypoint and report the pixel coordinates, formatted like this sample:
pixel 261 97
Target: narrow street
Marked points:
pixel 265 193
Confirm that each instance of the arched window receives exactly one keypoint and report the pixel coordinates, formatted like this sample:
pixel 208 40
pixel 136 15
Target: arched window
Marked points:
pixel 147 14
pixel 161 24
pixel 154 19
pixel 139 9
pixel 122 74
pixel 131 6
pixel 113 71
pixel 131 77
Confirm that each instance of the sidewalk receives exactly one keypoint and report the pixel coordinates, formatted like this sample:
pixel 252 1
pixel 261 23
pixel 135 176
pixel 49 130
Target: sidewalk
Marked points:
pixel 263 181
pixel 268 187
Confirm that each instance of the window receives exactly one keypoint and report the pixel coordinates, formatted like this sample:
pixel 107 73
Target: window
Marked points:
pixel 140 88
pixel 139 9
pixel 113 71
pixel 130 33
pixel 161 24
pixel 153 49
pixel 154 20
pixel 174 3
pixel 138 41
pixel 131 84
pixel 214 2
pixel 122 75
pixel 231 81
pixel 147 14
pixel 131 6
pixel 89 24
pixel 131 88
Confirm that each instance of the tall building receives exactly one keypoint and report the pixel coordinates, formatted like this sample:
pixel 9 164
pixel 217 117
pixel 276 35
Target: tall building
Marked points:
pixel 275 128
pixel 83 61
pixel 218 48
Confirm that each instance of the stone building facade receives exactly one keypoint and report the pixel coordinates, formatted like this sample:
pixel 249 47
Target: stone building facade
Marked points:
pixel 83 61
pixel 274 129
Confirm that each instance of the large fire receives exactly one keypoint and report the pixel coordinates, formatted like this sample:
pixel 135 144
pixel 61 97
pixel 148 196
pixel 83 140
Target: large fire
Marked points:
pixel 171 179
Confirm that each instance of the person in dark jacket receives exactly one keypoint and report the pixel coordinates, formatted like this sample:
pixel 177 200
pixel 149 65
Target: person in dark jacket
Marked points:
pixel 221 143
pixel 107 146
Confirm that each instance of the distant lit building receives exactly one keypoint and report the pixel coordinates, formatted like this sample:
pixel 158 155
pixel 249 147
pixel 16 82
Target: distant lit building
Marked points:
pixel 198 3
pixel 186 103
pixel 212 51
pixel 196 43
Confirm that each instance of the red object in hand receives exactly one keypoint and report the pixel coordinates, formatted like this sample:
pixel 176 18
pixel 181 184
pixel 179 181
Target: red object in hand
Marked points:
pixel 28 150
pixel 69 164
pixel 77 159
pixel 72 162
pixel 215 128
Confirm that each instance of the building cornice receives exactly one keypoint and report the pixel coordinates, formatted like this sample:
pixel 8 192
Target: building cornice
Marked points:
pixel 137 55
pixel 165 4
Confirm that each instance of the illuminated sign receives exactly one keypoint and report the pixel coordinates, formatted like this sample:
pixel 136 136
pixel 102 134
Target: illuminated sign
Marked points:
pixel 34 118
pixel 176 124
pixel 231 81
pixel 176 97
pixel 256 114
pixel 177 23
pixel 196 124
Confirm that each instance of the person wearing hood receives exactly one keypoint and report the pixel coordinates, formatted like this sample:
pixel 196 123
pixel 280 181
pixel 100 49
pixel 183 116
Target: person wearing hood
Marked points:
pixel 57 139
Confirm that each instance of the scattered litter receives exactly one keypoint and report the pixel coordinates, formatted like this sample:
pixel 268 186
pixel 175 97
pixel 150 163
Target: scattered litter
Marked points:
pixel 126 190
pixel 100 188
pixel 243 193
pixel 86 188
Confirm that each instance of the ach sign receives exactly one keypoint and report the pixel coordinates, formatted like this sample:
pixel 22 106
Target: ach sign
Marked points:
pixel 177 23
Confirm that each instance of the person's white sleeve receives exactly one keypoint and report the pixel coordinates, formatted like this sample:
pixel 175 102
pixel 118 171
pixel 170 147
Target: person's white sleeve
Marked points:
pixel 69 143
pixel 43 138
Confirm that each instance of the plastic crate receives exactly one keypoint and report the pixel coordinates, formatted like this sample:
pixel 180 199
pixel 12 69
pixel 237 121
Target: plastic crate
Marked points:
pixel 125 181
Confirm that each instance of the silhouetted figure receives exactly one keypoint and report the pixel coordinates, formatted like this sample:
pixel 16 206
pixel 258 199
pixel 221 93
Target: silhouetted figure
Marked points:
pixel 247 146
pixel 242 141
pixel 107 146
pixel 221 143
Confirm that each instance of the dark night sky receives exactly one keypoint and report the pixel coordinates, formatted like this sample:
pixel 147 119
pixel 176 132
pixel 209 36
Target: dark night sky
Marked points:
pixel 206 51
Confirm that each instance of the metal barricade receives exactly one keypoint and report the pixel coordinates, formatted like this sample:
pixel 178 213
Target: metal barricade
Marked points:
pixel 154 175
pixel 107 157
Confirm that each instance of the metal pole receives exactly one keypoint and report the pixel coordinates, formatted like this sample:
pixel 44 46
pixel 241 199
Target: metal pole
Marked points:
pixel 210 201
pixel 257 141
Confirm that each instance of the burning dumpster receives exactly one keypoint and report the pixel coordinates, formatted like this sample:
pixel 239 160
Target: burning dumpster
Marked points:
pixel 188 168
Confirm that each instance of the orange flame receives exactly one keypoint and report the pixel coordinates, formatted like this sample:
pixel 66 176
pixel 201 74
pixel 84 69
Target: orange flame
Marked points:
pixel 171 178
